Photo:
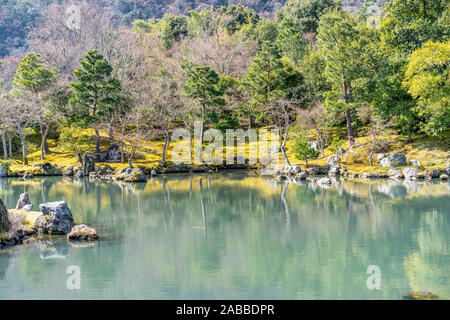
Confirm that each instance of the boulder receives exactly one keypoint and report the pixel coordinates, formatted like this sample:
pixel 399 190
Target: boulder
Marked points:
pixel 295 169
pixel 49 169
pixel 79 174
pixel 56 218
pixel 415 163
pixel 68 171
pixel 302 175
pixel 395 174
pixel 5 224
pixel 24 200
pixel 411 173
pixel 82 233
pixel 3 173
pixel 395 160
pixel 434 174
pixel 131 175
pixel 443 177
pixel 320 170
pixel 381 156
pixel 370 175
pixel 89 163
pixel 114 154
pixel 335 171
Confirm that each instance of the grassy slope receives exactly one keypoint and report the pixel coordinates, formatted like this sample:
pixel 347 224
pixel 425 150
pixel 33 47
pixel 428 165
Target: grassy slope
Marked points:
pixel 432 152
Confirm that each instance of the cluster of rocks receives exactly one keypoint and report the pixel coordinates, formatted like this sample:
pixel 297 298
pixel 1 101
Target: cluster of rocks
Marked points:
pixel 131 175
pixel 55 218
pixel 411 172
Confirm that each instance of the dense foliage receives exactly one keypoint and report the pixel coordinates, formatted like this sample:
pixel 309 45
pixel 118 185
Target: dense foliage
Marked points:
pixel 315 65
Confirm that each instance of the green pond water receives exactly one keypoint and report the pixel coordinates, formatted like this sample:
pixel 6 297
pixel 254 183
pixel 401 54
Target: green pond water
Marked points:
pixel 236 236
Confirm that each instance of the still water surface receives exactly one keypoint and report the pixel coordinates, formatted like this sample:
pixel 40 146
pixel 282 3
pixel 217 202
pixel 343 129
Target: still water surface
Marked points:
pixel 236 236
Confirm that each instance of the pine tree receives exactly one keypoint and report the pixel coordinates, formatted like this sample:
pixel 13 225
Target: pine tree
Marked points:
pixel 95 94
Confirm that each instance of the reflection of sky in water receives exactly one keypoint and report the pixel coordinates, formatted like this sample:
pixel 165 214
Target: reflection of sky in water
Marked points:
pixel 236 236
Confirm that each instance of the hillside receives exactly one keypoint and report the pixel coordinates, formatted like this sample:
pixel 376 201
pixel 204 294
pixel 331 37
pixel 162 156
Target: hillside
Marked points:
pixel 17 17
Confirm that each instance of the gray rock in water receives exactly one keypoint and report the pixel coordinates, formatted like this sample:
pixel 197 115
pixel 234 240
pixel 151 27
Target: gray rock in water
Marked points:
pixel 434 174
pixel 82 233
pixel 131 175
pixel 415 163
pixel 79 174
pixel 320 170
pixel 443 177
pixel 370 175
pixel 295 169
pixel 24 200
pixel 335 171
pixel 395 160
pixel 68 171
pixel 411 173
pixel 3 173
pixel 395 174
pixel 302 175
pixel 56 218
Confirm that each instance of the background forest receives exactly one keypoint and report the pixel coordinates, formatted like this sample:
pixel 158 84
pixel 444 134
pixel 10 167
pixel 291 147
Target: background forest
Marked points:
pixel 319 70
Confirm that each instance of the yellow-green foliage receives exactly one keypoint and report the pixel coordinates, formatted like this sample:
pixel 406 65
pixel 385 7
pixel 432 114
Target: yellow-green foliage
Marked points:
pixel 432 152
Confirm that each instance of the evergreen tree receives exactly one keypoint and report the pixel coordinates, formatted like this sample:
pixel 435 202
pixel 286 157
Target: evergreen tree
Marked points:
pixel 95 94
pixel 33 77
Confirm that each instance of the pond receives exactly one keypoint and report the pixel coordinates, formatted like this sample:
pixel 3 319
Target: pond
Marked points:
pixel 236 235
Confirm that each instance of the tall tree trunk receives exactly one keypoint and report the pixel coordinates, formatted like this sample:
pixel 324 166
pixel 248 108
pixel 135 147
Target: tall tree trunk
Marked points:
pixel 44 146
pixel 80 159
pixel 283 146
pixel 111 132
pixel 348 115
pixel 24 150
pixel 10 147
pixel 5 150
pixel 166 144
pixel 348 118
